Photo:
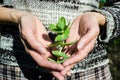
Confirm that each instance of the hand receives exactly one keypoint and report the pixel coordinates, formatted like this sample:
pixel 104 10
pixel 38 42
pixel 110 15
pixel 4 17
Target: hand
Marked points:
pixel 35 39
pixel 85 29
pixel 33 36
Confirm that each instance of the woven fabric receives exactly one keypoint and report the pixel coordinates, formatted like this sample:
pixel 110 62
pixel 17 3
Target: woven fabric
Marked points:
pixel 16 73
pixel 98 73
pixel 20 73
pixel 48 11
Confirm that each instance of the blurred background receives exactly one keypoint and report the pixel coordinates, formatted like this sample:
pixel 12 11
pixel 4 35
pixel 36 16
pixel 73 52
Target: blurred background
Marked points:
pixel 113 48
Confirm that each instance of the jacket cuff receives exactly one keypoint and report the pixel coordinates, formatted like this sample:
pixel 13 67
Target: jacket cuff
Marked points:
pixel 110 25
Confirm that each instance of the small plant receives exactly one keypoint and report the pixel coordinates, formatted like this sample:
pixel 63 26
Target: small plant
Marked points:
pixel 62 30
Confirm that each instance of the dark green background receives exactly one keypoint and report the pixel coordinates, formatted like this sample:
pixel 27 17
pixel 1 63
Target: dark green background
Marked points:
pixel 113 48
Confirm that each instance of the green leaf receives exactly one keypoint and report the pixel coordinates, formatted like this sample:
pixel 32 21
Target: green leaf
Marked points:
pixel 67 44
pixel 61 37
pixel 63 20
pixel 57 31
pixel 102 3
pixel 54 44
pixel 67 26
pixel 52 27
pixel 60 25
pixel 59 54
pixel 66 32
pixel 61 61
pixel 52 60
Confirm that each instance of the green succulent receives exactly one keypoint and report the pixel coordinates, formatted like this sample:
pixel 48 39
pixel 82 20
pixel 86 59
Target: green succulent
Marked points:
pixel 62 30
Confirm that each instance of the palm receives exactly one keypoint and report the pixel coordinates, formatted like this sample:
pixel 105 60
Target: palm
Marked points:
pixel 85 29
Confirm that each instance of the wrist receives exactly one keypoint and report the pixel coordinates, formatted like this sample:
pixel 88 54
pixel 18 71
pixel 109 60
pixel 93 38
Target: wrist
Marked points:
pixel 11 15
pixel 100 17
pixel 17 15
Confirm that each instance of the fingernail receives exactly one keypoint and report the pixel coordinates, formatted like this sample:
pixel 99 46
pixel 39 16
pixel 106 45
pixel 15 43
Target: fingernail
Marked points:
pixel 81 45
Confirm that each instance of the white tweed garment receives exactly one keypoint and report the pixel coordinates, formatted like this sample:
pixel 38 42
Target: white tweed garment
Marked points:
pixel 48 11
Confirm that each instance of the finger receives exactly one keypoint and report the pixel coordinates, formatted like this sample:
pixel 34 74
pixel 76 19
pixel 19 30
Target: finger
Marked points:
pixel 87 38
pixel 43 62
pixel 73 37
pixel 34 44
pixel 30 34
pixel 81 54
pixel 43 37
pixel 72 49
pixel 67 70
pixel 57 75
pixel 42 34
pixel 68 73
pixel 74 29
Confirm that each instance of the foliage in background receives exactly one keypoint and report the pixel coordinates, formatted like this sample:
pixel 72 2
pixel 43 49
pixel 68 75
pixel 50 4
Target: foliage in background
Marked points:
pixel 113 48
pixel 114 56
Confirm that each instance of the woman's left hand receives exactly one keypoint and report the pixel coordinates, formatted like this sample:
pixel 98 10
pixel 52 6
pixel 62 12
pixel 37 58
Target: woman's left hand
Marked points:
pixel 85 29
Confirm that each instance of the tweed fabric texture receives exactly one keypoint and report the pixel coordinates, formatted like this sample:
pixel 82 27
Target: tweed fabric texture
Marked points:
pixel 15 73
pixel 48 11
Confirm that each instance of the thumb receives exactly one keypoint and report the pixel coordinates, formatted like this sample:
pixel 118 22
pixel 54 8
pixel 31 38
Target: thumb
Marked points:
pixel 87 38
pixel 28 30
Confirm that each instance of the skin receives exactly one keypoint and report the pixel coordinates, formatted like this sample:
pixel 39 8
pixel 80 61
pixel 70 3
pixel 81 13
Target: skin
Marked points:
pixel 32 31
pixel 85 28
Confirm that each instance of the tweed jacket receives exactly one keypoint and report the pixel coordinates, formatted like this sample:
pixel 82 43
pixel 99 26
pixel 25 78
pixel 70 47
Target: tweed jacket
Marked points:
pixel 12 51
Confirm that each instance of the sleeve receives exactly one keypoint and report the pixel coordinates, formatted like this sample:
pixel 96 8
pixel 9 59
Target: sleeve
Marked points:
pixel 112 14
pixel 3 5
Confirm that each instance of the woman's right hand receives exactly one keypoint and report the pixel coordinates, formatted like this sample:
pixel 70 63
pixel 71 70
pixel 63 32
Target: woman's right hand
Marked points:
pixel 34 38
